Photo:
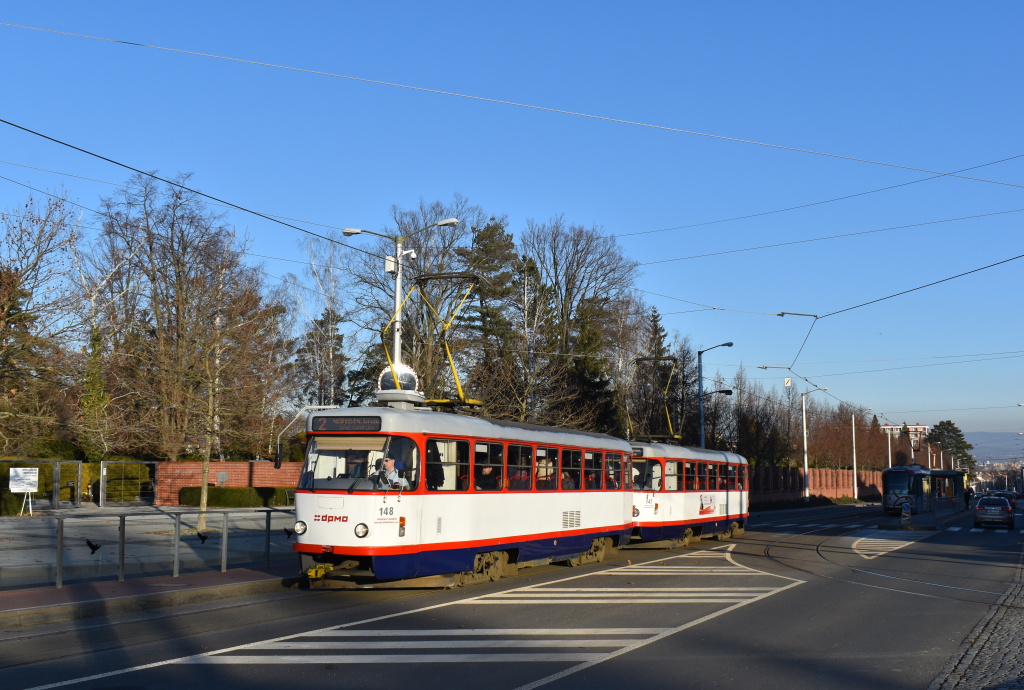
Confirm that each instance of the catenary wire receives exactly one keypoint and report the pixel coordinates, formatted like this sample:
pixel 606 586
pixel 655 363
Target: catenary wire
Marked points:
pixel 810 204
pixel 497 101
pixel 833 237
pixel 176 184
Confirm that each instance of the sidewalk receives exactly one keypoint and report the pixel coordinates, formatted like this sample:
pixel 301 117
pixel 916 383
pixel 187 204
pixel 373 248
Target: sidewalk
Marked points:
pixel 21 608
pixel 28 555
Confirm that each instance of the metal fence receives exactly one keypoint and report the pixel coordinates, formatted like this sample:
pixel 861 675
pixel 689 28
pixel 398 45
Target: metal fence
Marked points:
pixel 64 548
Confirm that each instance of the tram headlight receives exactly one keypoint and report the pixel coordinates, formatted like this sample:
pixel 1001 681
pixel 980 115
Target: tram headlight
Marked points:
pixel 300 527
pixel 362 530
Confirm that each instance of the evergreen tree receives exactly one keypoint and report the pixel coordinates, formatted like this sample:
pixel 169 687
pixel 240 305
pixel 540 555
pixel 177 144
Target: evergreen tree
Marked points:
pixel 952 440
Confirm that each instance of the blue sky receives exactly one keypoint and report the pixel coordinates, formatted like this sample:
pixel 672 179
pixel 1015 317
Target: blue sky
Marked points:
pixel 848 98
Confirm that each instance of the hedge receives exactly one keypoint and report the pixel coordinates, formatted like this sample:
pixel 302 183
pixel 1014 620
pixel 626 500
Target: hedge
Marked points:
pixel 236 496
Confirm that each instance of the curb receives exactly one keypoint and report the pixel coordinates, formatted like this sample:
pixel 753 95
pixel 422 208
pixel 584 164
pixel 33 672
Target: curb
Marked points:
pixel 13 619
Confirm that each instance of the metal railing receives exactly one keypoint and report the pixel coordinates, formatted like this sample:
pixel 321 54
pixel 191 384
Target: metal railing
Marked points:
pixel 61 548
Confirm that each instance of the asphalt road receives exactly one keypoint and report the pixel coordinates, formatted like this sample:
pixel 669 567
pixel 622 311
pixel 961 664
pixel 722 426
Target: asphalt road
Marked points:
pixel 818 600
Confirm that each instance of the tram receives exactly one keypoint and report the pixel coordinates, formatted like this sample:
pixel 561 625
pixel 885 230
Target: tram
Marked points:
pixel 924 489
pixel 681 493
pixel 415 497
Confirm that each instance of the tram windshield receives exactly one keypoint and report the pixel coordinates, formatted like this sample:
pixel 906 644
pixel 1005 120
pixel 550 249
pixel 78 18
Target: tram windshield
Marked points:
pixel 897 482
pixel 354 463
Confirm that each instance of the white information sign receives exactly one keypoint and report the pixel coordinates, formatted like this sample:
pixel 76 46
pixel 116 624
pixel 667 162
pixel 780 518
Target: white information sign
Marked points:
pixel 24 480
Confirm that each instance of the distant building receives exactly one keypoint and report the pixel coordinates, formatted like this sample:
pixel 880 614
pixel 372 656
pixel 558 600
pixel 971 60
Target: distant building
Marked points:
pixel 917 432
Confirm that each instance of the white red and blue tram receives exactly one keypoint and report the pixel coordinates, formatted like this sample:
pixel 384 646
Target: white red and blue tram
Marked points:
pixel 468 498
pixel 680 493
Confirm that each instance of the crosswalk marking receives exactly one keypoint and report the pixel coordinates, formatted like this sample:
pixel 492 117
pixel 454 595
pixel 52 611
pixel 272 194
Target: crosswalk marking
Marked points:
pixel 573 648
pixel 875 543
pixel 655 596
pixel 410 646
pixel 388 659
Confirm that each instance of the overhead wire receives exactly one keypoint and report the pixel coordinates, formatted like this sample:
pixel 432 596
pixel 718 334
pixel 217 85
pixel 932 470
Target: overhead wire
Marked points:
pixel 813 203
pixel 498 101
pixel 178 185
pixel 833 237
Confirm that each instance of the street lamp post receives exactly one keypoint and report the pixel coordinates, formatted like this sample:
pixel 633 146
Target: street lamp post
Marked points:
pixel 803 405
pixel 400 254
pixel 854 434
pixel 700 386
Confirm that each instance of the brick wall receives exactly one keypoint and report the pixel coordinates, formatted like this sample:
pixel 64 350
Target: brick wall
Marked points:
pixel 171 477
pixel 766 483
pixel 769 484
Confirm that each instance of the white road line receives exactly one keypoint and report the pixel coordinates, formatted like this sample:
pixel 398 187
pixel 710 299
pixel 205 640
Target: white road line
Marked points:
pixel 953 529
pixel 633 647
pixel 582 660
pixel 388 659
pixel 472 632
pixel 873 547
pixel 447 644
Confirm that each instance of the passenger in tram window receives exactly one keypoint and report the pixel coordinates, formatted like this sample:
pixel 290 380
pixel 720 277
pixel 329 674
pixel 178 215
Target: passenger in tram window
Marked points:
pixel 520 481
pixel 545 475
pixel 486 479
pixel 568 484
pixel 610 482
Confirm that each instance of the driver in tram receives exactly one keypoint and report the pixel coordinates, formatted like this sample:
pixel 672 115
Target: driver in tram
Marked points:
pixel 389 475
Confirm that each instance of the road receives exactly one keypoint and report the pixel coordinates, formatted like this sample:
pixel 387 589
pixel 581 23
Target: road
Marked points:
pixel 822 599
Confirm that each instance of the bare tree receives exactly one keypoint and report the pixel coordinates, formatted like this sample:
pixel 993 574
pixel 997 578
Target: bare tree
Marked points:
pixel 36 242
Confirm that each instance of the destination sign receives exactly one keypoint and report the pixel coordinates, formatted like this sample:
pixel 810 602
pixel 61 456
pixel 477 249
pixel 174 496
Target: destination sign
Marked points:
pixel 346 424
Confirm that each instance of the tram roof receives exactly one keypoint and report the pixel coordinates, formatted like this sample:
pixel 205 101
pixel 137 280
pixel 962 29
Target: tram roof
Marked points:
pixel 449 424
pixel 673 452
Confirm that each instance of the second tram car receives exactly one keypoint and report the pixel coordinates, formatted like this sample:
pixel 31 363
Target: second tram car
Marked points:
pixel 680 493
pixel 389 495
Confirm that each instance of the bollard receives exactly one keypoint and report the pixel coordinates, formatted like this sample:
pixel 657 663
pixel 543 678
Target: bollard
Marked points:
pixel 120 548
pixel 60 553
pixel 224 543
pixel 266 544
pixel 177 545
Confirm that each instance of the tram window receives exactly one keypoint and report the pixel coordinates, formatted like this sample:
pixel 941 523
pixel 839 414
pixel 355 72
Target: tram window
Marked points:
pixel 488 466
pixel 572 461
pixel 612 471
pixel 702 476
pixel 673 475
pixel 713 477
pixel 547 469
pixel 447 462
pixel 691 476
pixel 647 475
pixel 406 452
pixel 520 468
pixel 742 477
pixel 731 473
pixel 593 471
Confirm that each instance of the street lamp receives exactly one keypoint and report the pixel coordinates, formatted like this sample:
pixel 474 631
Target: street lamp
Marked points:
pixel 854 433
pixel 394 265
pixel 803 405
pixel 700 386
